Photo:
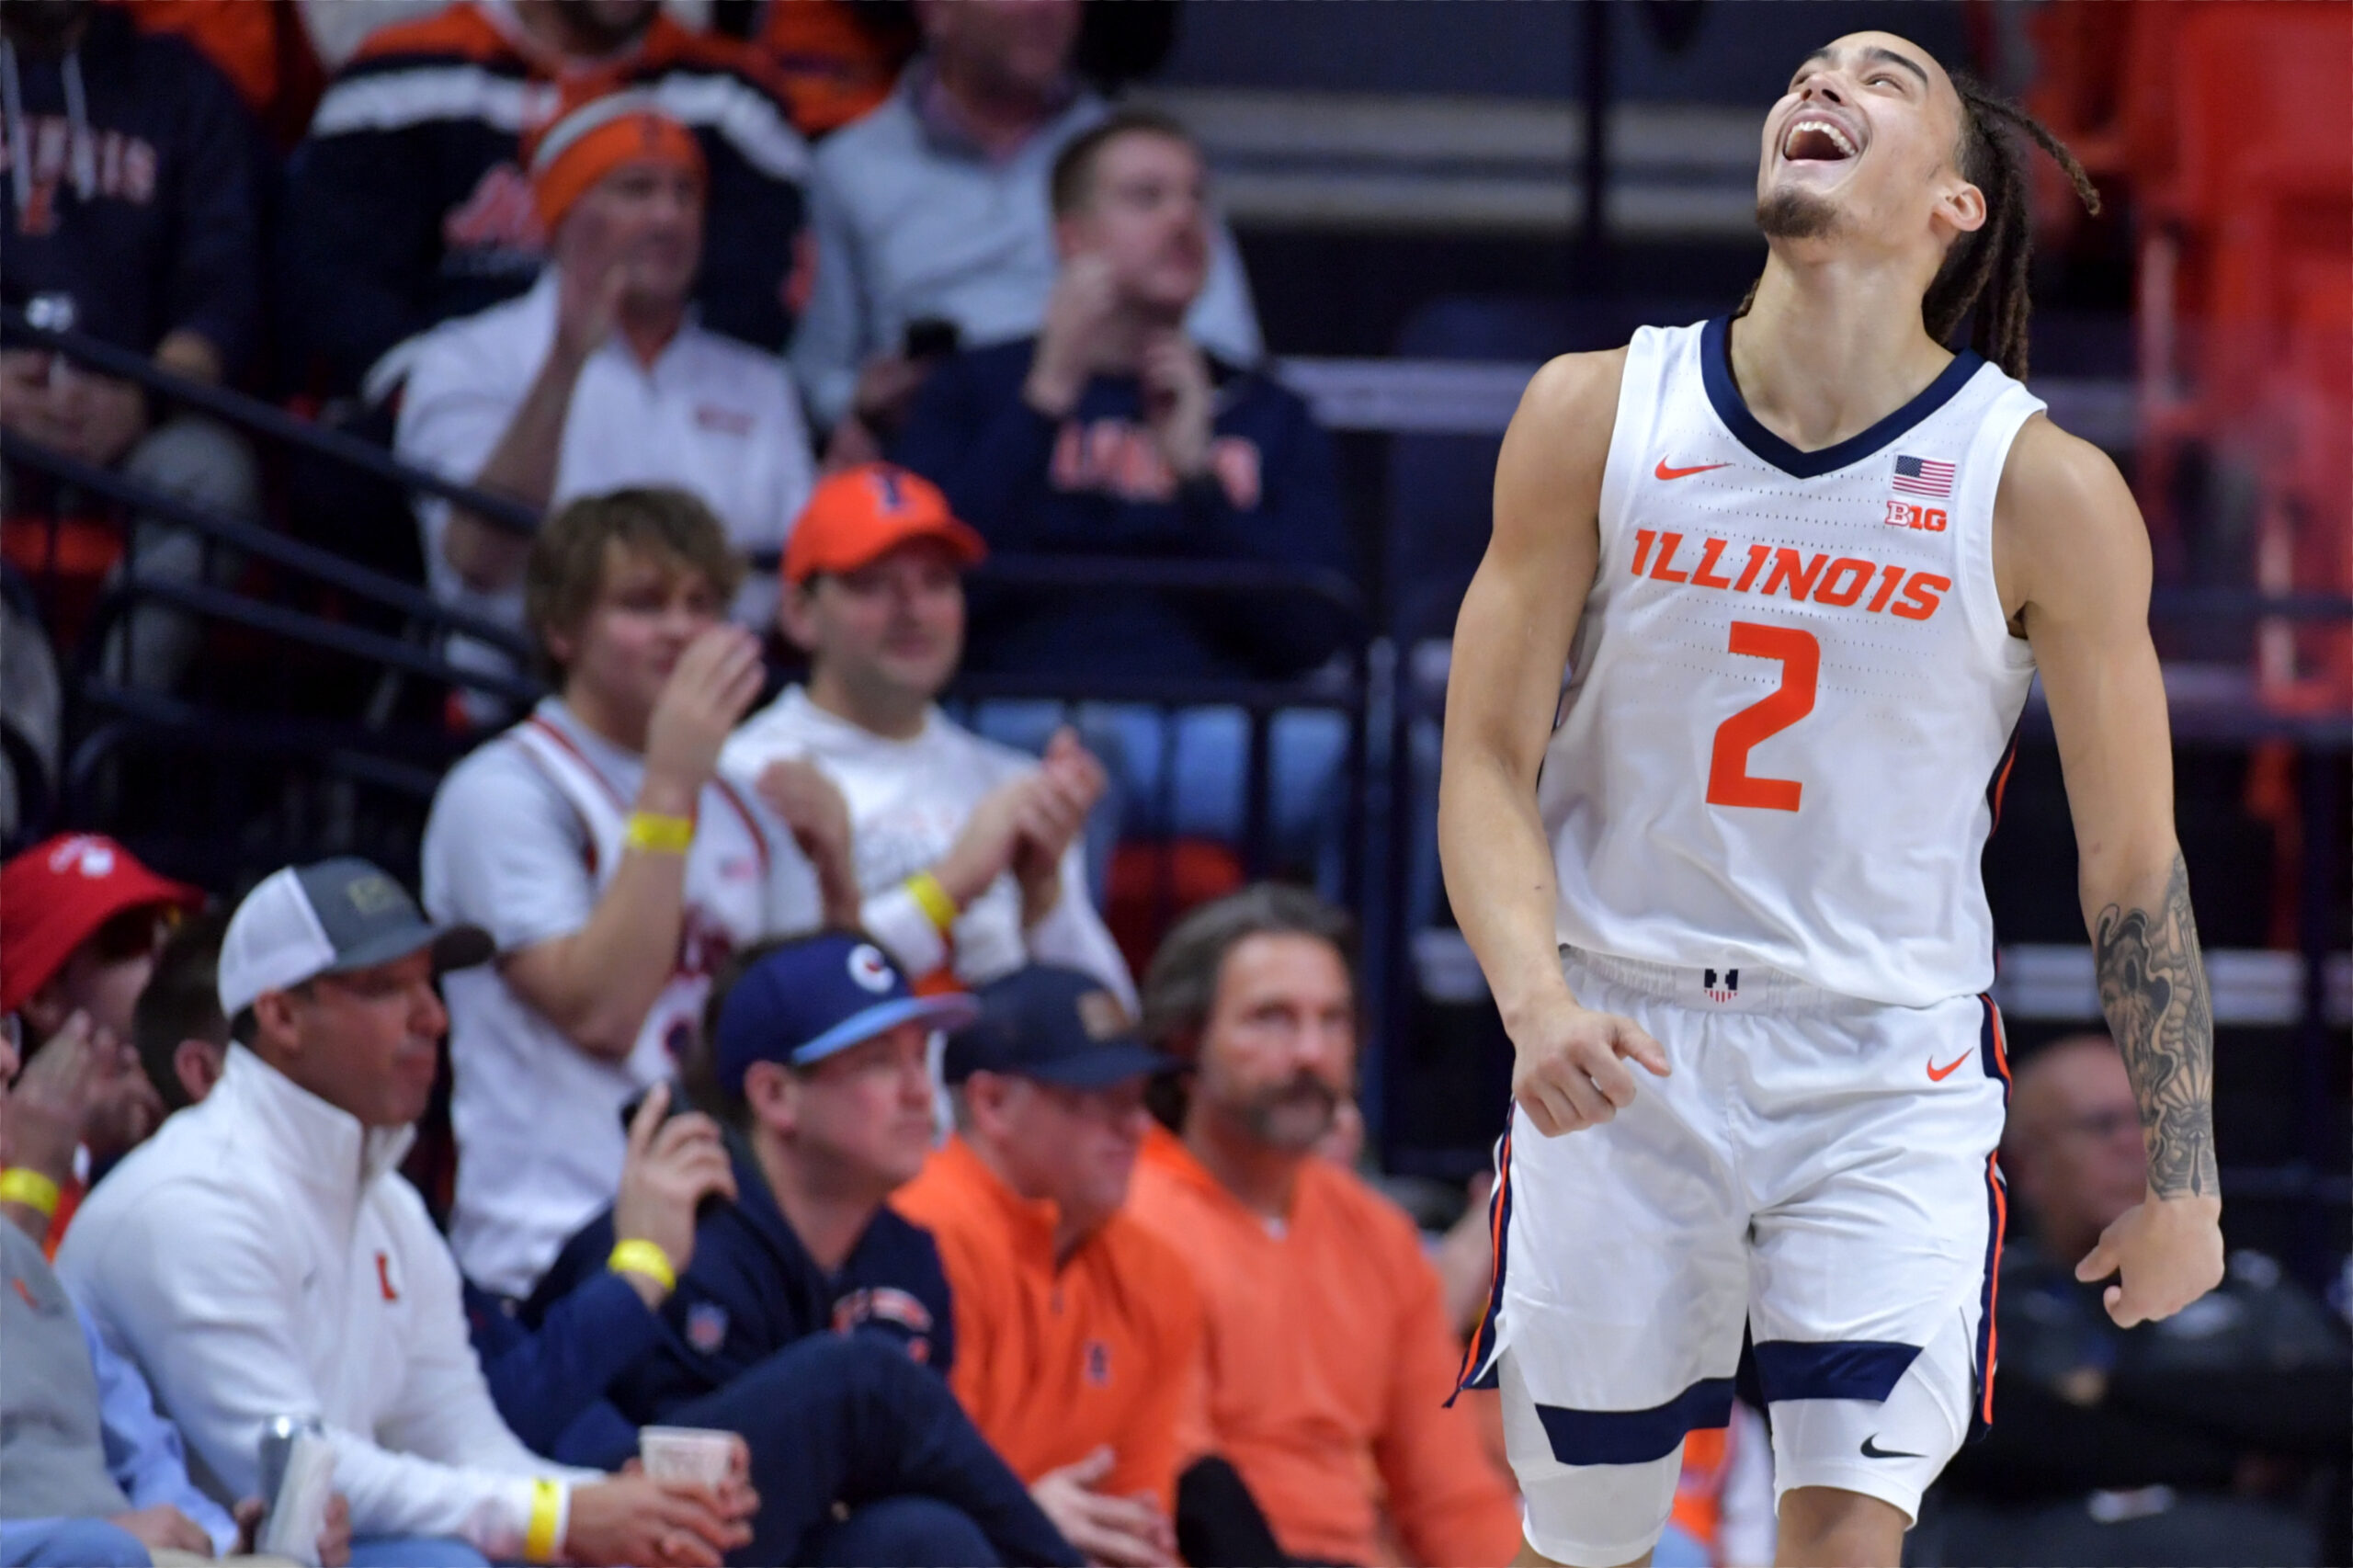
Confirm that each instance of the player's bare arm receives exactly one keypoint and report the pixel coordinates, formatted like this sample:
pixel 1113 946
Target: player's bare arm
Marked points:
pixel 2072 558
pixel 1511 644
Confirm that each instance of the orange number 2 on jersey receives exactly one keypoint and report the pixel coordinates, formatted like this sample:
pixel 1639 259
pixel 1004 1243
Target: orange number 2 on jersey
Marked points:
pixel 1729 782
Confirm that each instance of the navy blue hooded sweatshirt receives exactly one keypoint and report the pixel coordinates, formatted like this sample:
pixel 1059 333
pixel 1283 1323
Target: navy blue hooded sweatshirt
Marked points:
pixel 750 1289
pixel 140 203
pixel 1093 483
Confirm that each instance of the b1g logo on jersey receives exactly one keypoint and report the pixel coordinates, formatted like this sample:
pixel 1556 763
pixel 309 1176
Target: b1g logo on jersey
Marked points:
pixel 1903 515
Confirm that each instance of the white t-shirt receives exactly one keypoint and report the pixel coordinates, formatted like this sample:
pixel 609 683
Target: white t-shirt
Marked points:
pixel 708 415
pixel 908 800
pixel 523 836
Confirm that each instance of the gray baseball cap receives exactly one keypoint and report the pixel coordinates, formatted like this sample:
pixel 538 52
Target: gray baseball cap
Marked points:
pixel 332 917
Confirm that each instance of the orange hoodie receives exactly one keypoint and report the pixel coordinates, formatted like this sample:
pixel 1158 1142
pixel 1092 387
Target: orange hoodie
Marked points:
pixel 1052 1364
pixel 1329 1362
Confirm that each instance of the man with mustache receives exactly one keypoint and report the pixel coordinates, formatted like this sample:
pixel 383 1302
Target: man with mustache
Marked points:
pixel 1328 1353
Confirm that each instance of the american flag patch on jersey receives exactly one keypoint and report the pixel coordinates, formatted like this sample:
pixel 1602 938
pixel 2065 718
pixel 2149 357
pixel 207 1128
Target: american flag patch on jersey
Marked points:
pixel 1923 476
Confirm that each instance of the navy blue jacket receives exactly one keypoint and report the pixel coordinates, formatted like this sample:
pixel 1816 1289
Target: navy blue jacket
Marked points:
pixel 752 1289
pixel 167 237
pixel 550 1383
pixel 1094 485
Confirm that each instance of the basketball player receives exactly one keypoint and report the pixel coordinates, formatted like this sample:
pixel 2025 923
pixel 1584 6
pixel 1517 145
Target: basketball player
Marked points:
pixel 1800 567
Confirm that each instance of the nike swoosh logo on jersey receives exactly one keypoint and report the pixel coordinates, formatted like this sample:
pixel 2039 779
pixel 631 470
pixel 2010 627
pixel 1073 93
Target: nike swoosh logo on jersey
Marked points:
pixel 1665 473
pixel 1938 1074
pixel 1872 1451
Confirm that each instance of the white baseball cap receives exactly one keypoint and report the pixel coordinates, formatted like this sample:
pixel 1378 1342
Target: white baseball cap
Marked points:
pixel 338 915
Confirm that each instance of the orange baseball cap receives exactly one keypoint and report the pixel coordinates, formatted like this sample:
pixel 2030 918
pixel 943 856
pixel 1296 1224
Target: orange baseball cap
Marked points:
pixel 862 513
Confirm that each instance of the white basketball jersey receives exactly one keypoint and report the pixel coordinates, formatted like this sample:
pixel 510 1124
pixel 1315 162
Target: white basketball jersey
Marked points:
pixel 1793 688
pixel 537 1119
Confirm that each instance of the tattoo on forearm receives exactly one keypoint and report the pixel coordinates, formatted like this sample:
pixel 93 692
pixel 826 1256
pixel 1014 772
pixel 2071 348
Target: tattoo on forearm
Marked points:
pixel 2153 988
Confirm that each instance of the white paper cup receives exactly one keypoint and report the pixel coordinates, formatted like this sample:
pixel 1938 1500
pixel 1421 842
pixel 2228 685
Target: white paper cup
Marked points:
pixel 694 1455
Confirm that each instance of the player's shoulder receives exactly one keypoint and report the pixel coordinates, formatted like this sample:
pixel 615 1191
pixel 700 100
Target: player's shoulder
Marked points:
pixel 2063 509
pixel 1575 387
pixel 2048 464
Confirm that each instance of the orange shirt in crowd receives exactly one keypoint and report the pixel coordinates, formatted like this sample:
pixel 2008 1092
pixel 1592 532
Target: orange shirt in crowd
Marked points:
pixel 1329 1361
pixel 1053 1363
pixel 838 66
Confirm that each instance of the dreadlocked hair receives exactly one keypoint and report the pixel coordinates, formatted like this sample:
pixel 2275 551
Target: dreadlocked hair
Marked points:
pixel 1987 271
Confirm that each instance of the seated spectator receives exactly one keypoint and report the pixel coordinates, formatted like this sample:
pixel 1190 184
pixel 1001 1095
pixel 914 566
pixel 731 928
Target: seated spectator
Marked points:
pixel 263 50
pixel 243 1257
pixel 1330 1358
pixel 2182 1441
pixel 863 1421
pixel 838 57
pixel 135 172
pixel 1110 434
pixel 818 1055
pixel 1077 1330
pixel 818 1052
pixel 829 1420
pixel 931 216
pixel 408 205
pixel 968 852
pixel 598 378
pixel 89 1474
pixel 177 1028
pixel 80 921
pixel 614 869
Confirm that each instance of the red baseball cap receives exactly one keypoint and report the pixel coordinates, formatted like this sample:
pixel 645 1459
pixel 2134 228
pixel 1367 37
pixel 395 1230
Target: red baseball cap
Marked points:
pixel 53 898
pixel 864 512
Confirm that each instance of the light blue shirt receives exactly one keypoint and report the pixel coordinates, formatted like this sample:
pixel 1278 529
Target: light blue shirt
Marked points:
pixel 143 1451
pixel 912 222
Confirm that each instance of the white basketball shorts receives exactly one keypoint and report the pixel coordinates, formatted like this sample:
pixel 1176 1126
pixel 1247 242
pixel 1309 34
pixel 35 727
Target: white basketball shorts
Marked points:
pixel 1816 1171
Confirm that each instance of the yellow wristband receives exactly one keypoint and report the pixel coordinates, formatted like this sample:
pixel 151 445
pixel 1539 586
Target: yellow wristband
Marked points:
pixel 657 833
pixel 547 1509
pixel 30 1188
pixel 932 900
pixel 638 1256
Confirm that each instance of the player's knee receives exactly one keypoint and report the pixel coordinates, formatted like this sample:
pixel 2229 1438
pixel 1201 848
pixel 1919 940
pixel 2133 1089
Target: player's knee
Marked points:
pixel 1831 1527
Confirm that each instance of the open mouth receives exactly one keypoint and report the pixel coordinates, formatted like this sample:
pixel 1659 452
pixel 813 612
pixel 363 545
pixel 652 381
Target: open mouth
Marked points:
pixel 1812 139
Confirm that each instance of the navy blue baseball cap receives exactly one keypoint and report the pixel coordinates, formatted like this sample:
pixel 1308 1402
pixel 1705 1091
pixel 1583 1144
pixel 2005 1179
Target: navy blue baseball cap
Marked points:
pixel 1058 1025
pixel 810 999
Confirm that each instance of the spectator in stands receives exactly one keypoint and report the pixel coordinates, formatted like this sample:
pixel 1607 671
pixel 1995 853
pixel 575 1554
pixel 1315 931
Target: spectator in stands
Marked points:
pixel 409 207
pixel 1110 433
pixel 1076 1329
pixel 829 1419
pixel 177 1028
pixel 818 1054
pixel 933 209
pixel 134 175
pixel 598 376
pixel 90 1476
pixel 968 852
pixel 80 923
pixel 614 869
pixel 1330 1345
pixel 838 57
pixel 2175 1442
pixel 243 1252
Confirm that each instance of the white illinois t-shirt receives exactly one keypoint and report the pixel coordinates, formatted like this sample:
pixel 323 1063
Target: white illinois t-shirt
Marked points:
pixel 709 415
pixel 908 800
pixel 523 836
